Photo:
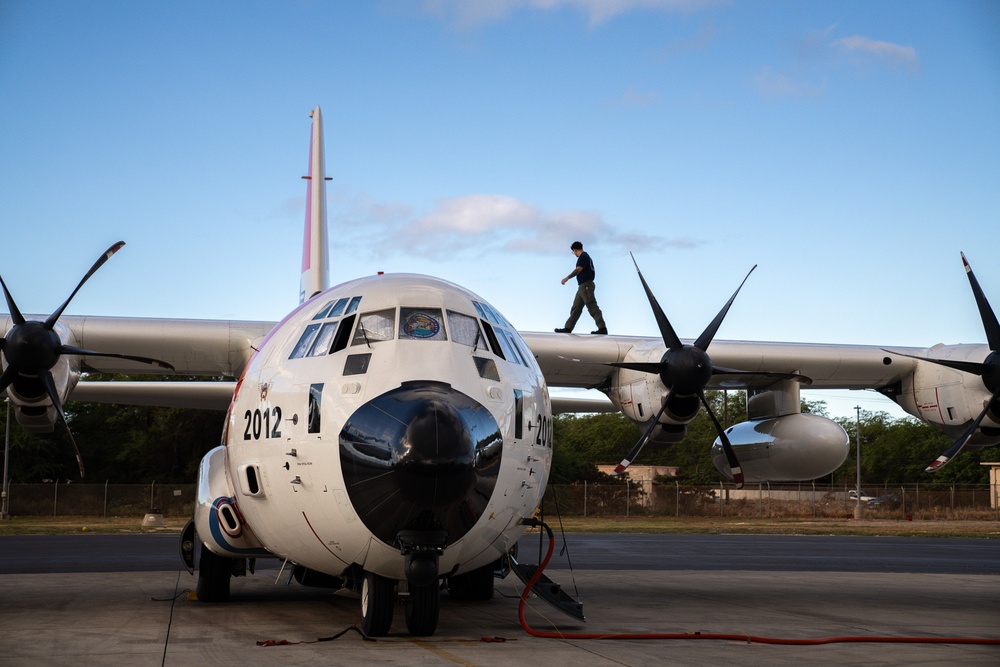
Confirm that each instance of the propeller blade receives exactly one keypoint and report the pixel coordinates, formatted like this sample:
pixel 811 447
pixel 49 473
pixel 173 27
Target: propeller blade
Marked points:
pixel 705 339
pixel 985 311
pixel 50 388
pixel 644 367
pixel 69 349
pixel 7 378
pixel 727 446
pixel 634 452
pixel 15 314
pixel 963 439
pixel 50 322
pixel 974 367
pixel 666 331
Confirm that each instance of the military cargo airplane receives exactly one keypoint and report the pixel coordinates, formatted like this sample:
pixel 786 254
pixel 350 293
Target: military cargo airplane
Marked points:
pixel 392 433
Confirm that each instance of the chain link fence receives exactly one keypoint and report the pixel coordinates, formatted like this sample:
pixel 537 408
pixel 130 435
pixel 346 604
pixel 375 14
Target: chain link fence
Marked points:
pixel 646 498
pixel 626 498
pixel 104 500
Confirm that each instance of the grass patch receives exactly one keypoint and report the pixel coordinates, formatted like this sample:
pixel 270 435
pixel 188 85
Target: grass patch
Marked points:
pixel 67 525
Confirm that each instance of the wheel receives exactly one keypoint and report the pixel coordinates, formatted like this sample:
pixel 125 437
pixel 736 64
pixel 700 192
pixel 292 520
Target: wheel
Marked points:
pixel 474 586
pixel 213 576
pixel 378 597
pixel 422 607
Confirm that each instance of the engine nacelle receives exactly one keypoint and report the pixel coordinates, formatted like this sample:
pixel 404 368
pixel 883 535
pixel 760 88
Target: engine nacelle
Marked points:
pixel 640 396
pixel 792 448
pixel 217 518
pixel 32 406
pixel 949 399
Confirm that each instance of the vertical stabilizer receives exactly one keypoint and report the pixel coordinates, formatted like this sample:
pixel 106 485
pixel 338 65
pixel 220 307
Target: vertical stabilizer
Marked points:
pixel 315 262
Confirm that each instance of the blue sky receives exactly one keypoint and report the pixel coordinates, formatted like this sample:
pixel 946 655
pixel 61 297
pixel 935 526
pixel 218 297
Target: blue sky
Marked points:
pixel 850 149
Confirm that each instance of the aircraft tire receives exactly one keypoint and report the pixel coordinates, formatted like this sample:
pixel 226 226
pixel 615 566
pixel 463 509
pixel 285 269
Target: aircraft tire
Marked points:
pixel 474 586
pixel 213 576
pixel 378 597
pixel 422 610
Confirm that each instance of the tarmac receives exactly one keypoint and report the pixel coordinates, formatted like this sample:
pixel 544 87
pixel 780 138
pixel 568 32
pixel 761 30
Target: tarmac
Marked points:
pixel 139 616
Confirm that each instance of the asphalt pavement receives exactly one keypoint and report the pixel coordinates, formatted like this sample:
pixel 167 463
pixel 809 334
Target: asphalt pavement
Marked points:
pixel 110 600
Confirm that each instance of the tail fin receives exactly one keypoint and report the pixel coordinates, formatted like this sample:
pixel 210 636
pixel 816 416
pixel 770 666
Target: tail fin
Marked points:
pixel 315 260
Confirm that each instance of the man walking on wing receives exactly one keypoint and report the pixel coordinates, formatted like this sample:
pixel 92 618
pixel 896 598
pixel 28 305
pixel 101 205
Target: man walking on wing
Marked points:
pixel 584 273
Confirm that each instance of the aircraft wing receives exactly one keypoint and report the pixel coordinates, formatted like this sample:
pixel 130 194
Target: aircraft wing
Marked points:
pixel 565 404
pixel 199 395
pixel 578 361
pixel 209 348
pixel 193 347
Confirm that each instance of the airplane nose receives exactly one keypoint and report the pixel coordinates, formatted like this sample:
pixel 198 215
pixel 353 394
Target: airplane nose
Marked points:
pixel 422 457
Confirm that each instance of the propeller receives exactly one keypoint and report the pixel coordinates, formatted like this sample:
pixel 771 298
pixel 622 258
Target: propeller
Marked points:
pixel 685 371
pixel 988 370
pixel 31 348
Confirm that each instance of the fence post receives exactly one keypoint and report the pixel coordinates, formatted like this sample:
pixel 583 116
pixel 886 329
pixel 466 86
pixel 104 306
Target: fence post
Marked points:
pixel 626 498
pixel 55 498
pixel 677 506
pixel 152 488
pixel 584 499
pixel 105 499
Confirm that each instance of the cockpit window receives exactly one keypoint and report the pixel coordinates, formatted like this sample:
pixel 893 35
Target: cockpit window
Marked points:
pixel 322 343
pixel 332 309
pixel 508 338
pixel 323 311
pixel 320 338
pixel 375 327
pixel 421 324
pixel 504 341
pixel 338 308
pixel 479 309
pixel 465 330
pixel 305 342
pixel 493 317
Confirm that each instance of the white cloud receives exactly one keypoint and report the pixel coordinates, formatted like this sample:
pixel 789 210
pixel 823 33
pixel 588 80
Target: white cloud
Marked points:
pixel 770 83
pixel 473 13
pixel 815 54
pixel 893 54
pixel 474 225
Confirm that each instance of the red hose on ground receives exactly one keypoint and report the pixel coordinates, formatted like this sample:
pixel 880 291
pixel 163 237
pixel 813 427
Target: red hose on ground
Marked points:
pixel 750 639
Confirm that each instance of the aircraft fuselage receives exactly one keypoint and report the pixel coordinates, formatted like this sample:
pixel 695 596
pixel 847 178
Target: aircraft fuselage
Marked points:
pixel 388 415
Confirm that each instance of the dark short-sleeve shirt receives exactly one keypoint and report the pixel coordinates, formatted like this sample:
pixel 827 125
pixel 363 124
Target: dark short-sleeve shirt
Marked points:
pixel 586 265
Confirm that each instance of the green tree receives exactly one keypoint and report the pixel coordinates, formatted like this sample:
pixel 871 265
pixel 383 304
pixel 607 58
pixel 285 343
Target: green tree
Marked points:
pixel 121 444
pixel 896 451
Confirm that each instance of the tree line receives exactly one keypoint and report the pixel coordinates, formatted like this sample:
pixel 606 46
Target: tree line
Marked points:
pixel 133 445
pixel 118 443
pixel 893 451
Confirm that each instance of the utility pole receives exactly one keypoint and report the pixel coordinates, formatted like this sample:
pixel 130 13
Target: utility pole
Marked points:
pixel 859 509
pixel 4 501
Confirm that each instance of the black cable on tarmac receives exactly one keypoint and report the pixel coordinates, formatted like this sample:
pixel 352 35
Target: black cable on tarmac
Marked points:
pixel 749 639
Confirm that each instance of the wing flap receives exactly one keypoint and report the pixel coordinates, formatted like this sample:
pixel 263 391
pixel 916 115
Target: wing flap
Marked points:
pixel 197 395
